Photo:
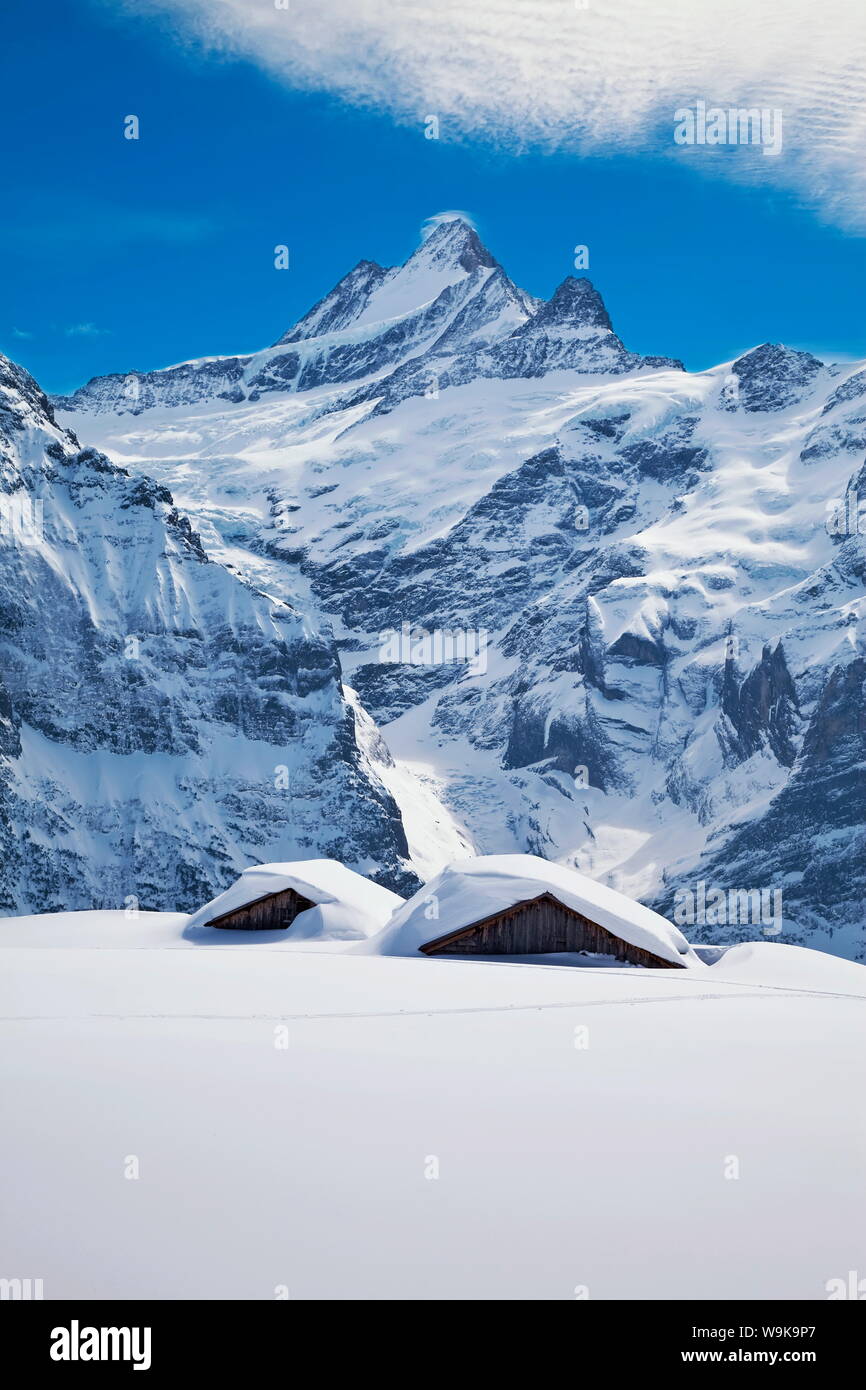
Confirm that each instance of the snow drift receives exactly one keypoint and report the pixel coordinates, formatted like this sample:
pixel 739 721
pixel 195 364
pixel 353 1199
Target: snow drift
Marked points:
pixel 315 1139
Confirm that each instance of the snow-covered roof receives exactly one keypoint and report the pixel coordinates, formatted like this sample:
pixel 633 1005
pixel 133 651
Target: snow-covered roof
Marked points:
pixel 472 889
pixel 348 906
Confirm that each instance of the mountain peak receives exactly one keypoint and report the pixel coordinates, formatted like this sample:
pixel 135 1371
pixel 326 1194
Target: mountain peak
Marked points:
pixel 772 377
pixel 576 303
pixel 449 252
pixel 452 244
pixel 17 388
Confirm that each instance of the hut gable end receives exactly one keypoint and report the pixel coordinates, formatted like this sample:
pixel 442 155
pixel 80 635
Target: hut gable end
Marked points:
pixel 540 926
pixel 267 913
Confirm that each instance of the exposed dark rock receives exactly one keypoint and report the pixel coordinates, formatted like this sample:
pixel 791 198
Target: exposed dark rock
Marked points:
pixel 772 377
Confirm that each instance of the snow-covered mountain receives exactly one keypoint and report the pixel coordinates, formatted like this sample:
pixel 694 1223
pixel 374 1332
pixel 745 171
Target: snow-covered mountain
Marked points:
pixel 448 315
pixel 162 722
pixel 667 565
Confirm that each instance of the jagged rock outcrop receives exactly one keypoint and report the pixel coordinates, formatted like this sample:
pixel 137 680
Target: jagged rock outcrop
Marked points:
pixel 772 377
pixel 760 711
pixel 809 845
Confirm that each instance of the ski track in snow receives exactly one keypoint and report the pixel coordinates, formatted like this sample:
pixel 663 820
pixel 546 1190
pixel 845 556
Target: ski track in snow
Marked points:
pixel 755 992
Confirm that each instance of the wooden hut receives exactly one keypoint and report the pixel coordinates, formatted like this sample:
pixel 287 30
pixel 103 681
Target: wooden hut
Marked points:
pixel 269 912
pixel 316 899
pixel 523 906
pixel 540 926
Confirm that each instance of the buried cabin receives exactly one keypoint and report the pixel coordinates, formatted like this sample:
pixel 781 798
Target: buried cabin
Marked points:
pixel 522 906
pixel 541 926
pixel 272 910
pixel 309 899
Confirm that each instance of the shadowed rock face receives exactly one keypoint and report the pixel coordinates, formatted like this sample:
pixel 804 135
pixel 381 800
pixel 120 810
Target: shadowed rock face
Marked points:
pixel 148 699
pixel 341 306
pixel 574 304
pixel 133 393
pixel 811 842
pixel 453 244
pixel 761 710
pixel 388 690
pixel 772 377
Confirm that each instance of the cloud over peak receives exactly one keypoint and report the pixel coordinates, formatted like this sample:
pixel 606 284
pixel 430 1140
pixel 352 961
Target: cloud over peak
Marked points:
pixel 555 75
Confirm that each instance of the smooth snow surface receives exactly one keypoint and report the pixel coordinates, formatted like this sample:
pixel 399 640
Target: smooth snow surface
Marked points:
pixel 582 1122
pixel 476 888
pixel 348 906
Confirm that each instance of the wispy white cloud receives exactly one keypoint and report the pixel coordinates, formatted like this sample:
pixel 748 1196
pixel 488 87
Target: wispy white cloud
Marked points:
pixel 550 73
pixel 85 330
pixel 21 333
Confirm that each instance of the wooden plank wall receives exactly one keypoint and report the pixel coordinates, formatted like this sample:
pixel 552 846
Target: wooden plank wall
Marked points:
pixel 539 927
pixel 277 910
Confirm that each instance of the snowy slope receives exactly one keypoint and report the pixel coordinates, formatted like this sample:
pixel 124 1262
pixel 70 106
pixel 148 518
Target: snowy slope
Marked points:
pixel 338 1126
pixel 674 669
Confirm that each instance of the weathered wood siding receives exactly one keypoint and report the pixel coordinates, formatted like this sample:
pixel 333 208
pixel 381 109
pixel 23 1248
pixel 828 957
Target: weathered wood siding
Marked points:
pixel 540 926
pixel 276 910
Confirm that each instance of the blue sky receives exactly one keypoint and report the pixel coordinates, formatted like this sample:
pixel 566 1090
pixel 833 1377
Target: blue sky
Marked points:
pixel 123 255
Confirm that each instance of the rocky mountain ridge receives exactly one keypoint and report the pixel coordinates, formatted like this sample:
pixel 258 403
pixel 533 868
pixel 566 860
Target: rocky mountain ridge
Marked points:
pixel 666 569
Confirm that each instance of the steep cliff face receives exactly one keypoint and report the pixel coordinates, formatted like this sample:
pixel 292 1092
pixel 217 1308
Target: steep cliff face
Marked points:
pixel 656 577
pixel 811 839
pixel 162 723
